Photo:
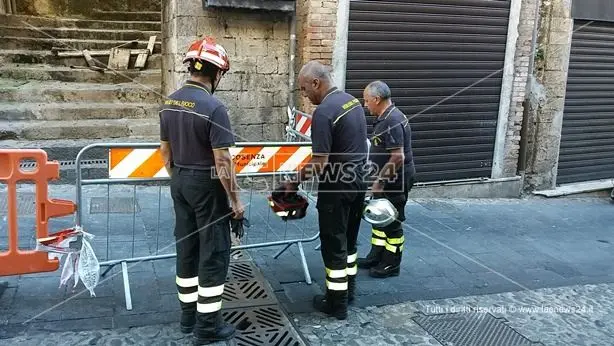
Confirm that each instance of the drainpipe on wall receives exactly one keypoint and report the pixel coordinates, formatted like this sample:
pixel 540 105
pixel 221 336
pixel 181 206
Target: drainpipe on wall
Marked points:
pixel 292 53
pixel 522 155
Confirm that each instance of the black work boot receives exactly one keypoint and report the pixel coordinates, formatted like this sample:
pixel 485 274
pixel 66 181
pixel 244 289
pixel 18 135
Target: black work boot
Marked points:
pixel 372 259
pixel 188 320
pixel 334 303
pixel 390 265
pixel 351 288
pixel 216 330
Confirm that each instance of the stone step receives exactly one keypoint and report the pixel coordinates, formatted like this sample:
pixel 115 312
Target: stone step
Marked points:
pixel 67 149
pixel 67 74
pixel 129 5
pixel 36 43
pixel 128 15
pixel 22 56
pixel 76 33
pixel 56 22
pixel 78 129
pixel 54 91
pixel 67 111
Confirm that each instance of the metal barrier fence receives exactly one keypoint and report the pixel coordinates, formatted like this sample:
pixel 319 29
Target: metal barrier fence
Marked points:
pixel 137 166
pixel 299 126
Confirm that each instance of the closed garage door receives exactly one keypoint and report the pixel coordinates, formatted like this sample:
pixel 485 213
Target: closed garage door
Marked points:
pixel 443 60
pixel 587 139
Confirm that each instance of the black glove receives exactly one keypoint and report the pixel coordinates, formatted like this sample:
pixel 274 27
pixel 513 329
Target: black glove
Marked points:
pixel 236 226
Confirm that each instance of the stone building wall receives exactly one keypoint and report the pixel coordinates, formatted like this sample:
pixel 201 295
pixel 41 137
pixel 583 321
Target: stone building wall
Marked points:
pixel 548 94
pixel 256 88
pixel 316 35
pixel 82 7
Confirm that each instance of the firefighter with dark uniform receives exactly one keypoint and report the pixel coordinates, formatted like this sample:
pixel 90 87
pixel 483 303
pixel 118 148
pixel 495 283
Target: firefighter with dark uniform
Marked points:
pixel 339 153
pixel 195 135
pixel 391 155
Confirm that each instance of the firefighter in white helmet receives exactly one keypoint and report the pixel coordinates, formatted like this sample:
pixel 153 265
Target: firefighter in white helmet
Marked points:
pixel 195 135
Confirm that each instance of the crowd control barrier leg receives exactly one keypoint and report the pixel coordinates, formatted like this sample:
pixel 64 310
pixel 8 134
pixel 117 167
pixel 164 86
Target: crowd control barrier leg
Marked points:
pixel 16 261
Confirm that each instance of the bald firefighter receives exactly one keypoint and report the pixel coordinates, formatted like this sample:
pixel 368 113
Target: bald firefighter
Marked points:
pixel 339 146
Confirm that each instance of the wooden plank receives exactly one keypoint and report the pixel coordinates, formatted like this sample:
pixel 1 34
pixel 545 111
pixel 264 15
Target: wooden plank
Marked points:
pixel 142 58
pixel 119 59
pixel 94 68
pixel 73 54
pixel 88 58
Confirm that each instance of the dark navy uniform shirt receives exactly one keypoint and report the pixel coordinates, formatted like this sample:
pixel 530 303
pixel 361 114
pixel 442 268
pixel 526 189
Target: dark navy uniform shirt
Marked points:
pixel 194 122
pixel 392 131
pixel 339 128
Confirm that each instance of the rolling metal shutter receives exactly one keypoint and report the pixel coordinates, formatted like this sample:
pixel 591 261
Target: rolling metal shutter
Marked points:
pixel 430 52
pixel 587 138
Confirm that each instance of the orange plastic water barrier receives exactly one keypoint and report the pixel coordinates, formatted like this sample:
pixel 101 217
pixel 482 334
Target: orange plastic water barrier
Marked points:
pixel 16 261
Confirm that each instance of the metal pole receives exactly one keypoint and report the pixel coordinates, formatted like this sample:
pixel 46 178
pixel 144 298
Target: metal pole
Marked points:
pixel 292 48
pixel 304 261
pixel 126 286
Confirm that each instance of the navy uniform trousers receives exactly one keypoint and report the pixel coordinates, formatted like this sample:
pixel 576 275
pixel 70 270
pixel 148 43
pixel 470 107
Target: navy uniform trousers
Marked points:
pixel 202 232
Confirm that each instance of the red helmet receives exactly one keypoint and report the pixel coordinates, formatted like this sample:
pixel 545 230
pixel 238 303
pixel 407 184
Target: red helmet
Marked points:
pixel 288 207
pixel 209 51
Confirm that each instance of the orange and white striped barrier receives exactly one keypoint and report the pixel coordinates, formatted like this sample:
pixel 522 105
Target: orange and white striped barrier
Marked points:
pixel 302 123
pixel 248 159
pixel 299 125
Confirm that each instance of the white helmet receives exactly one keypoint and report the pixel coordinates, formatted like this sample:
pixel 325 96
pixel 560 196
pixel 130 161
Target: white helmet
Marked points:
pixel 380 212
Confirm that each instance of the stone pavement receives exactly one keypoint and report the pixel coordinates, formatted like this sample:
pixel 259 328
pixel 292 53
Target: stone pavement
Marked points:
pixel 575 315
pixel 478 249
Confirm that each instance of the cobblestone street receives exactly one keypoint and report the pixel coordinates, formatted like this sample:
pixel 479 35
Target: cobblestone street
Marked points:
pixel 542 265
pixel 575 315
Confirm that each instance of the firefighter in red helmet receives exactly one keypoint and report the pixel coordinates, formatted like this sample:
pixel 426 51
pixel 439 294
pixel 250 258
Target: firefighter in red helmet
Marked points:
pixel 195 135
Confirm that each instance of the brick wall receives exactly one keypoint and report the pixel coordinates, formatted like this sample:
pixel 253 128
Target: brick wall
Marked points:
pixel 256 88
pixel 316 26
pixel 521 73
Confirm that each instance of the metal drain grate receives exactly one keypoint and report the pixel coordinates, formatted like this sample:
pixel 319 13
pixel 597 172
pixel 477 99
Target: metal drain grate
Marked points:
pixel 246 293
pixel 25 204
pixel 472 328
pixel 242 271
pixel 245 286
pixel 114 205
pixel 265 325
